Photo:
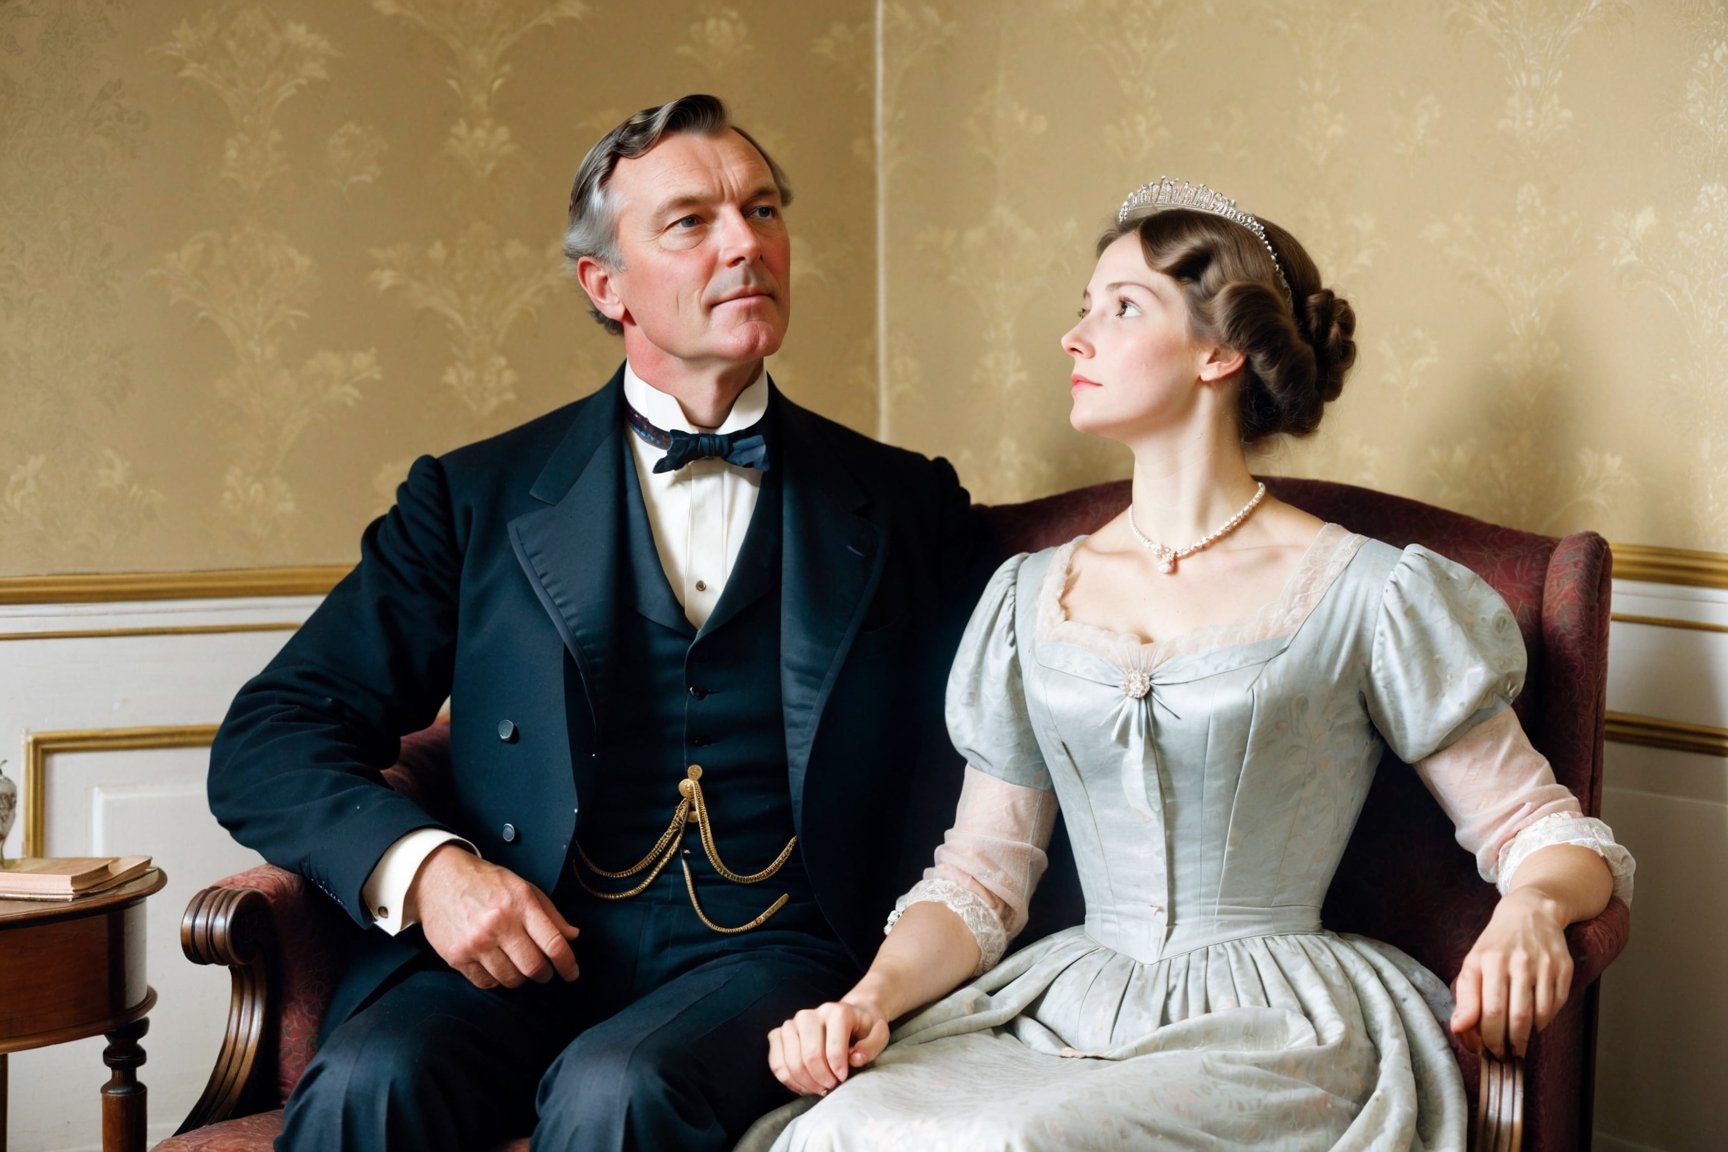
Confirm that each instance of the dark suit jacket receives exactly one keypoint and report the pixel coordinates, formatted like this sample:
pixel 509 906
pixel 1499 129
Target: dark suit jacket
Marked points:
pixel 493 582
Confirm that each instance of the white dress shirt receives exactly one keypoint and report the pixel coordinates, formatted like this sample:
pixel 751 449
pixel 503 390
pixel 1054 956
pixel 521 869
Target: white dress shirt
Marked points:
pixel 699 516
pixel 700 512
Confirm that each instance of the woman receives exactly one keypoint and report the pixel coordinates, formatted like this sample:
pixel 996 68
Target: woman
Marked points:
pixel 1205 684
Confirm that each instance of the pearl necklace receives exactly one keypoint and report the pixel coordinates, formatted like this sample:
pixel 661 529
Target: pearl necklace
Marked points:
pixel 1167 557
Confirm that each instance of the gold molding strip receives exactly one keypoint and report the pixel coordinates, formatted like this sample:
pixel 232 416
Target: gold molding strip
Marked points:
pixel 1676 735
pixel 175 630
pixel 1670 566
pixel 38 746
pixel 315 580
pixel 1631 562
pixel 1667 622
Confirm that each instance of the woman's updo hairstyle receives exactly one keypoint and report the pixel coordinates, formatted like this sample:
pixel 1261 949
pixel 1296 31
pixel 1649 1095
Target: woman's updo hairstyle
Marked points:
pixel 1295 358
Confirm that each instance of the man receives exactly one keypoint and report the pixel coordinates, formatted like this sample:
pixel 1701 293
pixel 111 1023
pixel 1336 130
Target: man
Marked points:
pixel 694 640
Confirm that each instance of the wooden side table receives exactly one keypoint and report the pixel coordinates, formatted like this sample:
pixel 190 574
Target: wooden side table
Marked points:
pixel 71 969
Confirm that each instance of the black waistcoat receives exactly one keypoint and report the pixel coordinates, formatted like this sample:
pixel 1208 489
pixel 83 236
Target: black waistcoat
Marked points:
pixel 708 697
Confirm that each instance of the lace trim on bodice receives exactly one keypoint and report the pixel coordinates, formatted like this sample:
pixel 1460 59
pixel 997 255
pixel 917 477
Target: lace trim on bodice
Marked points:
pixel 1328 555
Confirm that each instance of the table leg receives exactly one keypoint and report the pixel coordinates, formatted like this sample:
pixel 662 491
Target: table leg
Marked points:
pixel 3 1087
pixel 124 1099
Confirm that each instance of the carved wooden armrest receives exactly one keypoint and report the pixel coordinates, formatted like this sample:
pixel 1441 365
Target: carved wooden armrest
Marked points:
pixel 233 927
pixel 1500 1094
pixel 1500 1105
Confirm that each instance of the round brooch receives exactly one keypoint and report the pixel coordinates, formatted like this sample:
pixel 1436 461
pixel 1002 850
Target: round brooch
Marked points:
pixel 1136 684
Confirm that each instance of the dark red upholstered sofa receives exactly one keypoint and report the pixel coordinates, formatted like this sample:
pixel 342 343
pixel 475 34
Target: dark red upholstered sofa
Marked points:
pixel 1403 880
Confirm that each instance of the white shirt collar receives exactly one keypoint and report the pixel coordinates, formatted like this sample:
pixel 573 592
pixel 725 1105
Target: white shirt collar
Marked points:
pixel 663 410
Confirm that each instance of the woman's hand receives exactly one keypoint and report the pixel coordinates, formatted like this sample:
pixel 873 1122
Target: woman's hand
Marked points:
pixel 1517 977
pixel 927 955
pixel 814 1051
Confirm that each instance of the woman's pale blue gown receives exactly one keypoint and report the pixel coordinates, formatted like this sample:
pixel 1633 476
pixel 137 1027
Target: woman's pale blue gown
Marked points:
pixel 1209 786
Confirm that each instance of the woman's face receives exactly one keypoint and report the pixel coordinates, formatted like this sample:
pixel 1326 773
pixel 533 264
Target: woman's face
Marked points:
pixel 1135 363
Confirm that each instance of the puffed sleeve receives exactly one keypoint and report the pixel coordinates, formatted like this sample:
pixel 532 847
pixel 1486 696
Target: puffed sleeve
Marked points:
pixel 986 704
pixel 994 855
pixel 1446 655
pixel 1447 662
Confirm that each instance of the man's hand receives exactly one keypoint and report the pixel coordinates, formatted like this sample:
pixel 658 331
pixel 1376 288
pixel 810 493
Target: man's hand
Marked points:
pixel 490 924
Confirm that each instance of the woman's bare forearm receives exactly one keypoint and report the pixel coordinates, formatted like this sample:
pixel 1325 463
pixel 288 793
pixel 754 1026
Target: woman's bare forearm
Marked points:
pixel 929 953
pixel 1570 882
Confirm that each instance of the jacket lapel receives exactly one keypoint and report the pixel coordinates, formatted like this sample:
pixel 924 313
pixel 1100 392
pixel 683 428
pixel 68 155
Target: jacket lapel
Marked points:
pixel 757 569
pixel 569 548
pixel 651 590
pixel 831 559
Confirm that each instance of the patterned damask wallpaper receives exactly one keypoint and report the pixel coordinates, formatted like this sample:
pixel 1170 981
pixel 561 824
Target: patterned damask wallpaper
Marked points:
pixel 255 256
pixel 1524 200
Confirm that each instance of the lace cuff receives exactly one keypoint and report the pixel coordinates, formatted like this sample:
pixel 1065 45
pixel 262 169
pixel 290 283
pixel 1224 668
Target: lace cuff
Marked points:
pixel 1569 828
pixel 980 919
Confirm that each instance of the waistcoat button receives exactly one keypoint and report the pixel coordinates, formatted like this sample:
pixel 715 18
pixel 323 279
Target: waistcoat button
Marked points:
pixel 698 691
pixel 507 731
pixel 509 833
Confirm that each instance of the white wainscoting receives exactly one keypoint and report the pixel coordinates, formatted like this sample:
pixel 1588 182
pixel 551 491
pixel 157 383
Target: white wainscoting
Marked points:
pixel 1661 1076
pixel 96 691
pixel 122 678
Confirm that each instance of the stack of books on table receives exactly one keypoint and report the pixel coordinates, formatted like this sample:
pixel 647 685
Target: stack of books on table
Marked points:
pixel 66 877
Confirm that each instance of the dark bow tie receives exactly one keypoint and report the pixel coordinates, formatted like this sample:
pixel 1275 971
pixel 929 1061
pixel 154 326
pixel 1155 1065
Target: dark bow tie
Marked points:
pixel 745 448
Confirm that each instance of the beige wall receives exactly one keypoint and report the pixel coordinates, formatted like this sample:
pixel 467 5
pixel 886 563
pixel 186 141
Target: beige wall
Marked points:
pixel 1523 199
pixel 254 257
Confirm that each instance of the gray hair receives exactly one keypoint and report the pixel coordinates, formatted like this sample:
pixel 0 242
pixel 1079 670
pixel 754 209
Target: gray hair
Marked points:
pixel 593 227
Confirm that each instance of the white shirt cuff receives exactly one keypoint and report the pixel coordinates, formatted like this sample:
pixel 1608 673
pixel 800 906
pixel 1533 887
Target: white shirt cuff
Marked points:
pixel 386 891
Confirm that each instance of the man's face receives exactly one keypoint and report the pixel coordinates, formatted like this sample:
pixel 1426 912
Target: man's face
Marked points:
pixel 704 283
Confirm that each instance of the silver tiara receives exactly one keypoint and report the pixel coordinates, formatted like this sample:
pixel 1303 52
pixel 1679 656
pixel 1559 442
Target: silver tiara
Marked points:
pixel 1167 193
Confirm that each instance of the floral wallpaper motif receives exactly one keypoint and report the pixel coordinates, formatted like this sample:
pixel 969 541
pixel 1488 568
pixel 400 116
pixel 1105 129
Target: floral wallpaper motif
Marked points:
pixel 1524 261
pixel 1458 170
pixel 1679 252
pixel 719 41
pixel 256 255
pixel 1323 129
pixel 910 36
pixel 480 284
pixel 1141 38
pixel 1324 36
pixel 983 265
pixel 251 281
pixel 72 488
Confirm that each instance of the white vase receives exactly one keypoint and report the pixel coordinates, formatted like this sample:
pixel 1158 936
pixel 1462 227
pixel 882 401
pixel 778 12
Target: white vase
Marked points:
pixel 8 807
